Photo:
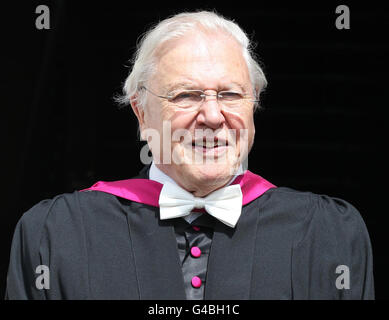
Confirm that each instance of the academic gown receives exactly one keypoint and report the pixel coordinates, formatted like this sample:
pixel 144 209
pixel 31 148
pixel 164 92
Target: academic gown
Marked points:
pixel 287 244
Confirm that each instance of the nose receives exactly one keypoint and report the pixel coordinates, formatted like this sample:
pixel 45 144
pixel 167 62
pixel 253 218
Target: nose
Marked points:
pixel 210 113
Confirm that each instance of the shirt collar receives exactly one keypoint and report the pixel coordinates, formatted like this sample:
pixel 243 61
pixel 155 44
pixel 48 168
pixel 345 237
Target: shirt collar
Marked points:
pixel 158 175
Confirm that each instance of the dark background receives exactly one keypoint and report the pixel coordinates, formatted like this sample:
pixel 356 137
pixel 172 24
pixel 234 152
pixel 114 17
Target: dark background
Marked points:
pixel 321 129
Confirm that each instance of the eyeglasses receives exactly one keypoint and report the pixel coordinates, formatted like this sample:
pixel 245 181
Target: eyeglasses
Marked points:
pixel 195 98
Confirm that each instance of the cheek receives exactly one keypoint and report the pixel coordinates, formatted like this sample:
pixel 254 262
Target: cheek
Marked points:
pixel 251 133
pixel 183 120
pixel 251 126
pixel 242 121
pixel 155 115
pixel 150 117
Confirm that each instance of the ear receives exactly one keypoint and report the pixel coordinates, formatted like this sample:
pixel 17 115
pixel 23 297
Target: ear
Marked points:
pixel 138 110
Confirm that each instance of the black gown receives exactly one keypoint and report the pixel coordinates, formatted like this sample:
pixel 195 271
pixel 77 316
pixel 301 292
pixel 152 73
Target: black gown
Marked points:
pixel 286 245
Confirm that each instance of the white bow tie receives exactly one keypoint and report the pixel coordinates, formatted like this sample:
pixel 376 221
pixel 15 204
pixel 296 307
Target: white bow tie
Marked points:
pixel 224 204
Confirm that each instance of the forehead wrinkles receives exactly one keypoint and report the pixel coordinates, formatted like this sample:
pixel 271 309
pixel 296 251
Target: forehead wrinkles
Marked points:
pixel 198 57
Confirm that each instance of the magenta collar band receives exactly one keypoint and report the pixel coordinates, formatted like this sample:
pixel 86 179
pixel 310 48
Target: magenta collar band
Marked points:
pixel 147 191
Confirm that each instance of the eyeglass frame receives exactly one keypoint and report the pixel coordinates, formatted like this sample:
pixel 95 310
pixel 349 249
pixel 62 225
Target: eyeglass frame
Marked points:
pixel 204 95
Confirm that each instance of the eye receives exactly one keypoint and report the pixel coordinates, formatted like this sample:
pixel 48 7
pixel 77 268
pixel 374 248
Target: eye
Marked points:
pixel 187 97
pixel 230 96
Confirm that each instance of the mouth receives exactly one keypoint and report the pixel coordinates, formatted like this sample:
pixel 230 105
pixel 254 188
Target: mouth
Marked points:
pixel 206 146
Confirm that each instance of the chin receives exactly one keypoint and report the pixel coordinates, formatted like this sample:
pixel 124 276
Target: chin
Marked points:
pixel 209 174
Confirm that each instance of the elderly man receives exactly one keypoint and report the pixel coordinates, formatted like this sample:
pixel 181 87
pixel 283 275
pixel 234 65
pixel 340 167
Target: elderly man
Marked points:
pixel 195 224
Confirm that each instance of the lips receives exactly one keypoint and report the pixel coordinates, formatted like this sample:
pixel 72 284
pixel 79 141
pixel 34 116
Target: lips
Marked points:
pixel 215 147
pixel 207 144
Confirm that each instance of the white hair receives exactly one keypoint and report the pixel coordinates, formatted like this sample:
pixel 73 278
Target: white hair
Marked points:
pixel 144 61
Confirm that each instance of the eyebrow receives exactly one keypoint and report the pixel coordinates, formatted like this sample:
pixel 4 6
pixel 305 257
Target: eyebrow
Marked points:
pixel 191 85
pixel 238 85
pixel 179 85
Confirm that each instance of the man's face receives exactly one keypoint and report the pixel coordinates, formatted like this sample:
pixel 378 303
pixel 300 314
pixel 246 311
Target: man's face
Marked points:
pixel 211 63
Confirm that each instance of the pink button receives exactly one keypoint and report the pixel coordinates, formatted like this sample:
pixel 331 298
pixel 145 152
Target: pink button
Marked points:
pixel 196 228
pixel 195 252
pixel 196 282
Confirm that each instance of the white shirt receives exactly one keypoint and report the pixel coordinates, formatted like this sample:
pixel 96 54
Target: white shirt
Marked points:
pixel 157 175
